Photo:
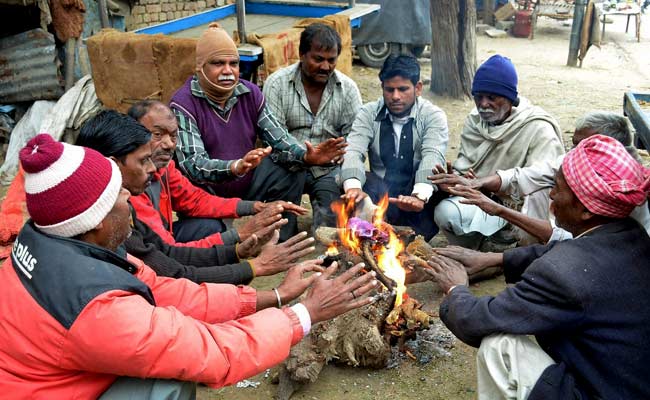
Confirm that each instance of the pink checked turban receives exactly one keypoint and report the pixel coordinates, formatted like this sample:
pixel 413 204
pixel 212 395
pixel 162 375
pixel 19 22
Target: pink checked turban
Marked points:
pixel 605 178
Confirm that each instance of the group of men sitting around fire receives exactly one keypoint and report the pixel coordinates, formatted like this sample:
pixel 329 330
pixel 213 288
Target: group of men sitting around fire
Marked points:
pixel 94 305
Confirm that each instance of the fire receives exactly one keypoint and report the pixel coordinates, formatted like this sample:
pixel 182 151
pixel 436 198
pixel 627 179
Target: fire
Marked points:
pixel 386 248
pixel 343 211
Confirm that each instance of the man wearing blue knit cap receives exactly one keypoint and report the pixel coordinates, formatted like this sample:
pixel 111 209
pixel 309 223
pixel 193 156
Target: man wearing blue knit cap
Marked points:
pixel 504 131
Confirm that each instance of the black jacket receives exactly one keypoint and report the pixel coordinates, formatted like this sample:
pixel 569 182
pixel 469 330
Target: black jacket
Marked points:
pixel 218 264
pixel 586 300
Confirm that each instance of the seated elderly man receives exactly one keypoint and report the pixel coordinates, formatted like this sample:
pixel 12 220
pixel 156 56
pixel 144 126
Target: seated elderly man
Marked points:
pixel 199 213
pixel 527 180
pixel 83 319
pixel 220 119
pixel 504 131
pixel 129 144
pixel 586 300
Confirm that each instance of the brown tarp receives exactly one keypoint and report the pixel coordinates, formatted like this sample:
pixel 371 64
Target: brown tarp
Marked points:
pixel 128 67
pixel 281 48
pixel 590 34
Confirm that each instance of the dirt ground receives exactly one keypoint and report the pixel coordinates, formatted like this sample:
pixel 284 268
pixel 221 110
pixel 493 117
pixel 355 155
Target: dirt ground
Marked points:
pixel 620 65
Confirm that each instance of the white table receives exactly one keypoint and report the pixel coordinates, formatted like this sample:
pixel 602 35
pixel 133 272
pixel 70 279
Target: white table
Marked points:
pixel 634 10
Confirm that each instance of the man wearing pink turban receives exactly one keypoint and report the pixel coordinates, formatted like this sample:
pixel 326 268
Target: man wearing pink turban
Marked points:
pixel 585 300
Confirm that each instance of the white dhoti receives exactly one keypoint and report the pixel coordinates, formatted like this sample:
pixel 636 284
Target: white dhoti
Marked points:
pixel 467 225
pixel 508 366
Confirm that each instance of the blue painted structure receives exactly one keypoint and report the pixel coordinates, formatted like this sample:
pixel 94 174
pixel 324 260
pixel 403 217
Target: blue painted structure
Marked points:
pixel 304 11
pixel 639 117
pixel 191 21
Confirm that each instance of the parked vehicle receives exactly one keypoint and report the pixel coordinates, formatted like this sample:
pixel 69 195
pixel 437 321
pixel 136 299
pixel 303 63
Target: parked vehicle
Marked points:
pixel 402 26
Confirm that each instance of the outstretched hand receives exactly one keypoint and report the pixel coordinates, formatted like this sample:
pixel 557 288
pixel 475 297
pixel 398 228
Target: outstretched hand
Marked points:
pixel 250 161
pixel 328 152
pixel 252 246
pixel 287 206
pixel 473 261
pixel 329 298
pixel 268 216
pixel 447 272
pixel 477 198
pixel 407 203
pixel 275 258
pixel 354 194
pixel 447 178
pixel 295 282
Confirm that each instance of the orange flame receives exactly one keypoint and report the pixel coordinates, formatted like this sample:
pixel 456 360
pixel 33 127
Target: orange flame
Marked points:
pixel 387 255
pixel 343 210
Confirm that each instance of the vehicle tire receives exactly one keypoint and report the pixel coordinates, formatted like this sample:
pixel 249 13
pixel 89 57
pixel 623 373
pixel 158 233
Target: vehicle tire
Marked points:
pixel 417 50
pixel 373 55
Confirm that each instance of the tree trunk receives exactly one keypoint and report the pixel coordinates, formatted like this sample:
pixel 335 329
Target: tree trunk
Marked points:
pixel 453 47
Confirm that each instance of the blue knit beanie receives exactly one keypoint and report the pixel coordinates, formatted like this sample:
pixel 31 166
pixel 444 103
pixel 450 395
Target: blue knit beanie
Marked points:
pixel 497 76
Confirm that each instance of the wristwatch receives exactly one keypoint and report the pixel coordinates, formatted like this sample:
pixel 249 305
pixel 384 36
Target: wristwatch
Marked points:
pixel 420 197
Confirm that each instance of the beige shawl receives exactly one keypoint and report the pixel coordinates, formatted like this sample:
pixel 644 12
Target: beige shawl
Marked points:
pixel 527 136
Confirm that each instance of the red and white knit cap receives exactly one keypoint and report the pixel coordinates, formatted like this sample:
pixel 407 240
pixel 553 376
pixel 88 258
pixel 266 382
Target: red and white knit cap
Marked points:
pixel 69 189
pixel 605 177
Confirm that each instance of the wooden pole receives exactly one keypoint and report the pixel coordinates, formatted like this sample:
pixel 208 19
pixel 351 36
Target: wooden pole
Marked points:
pixel 488 12
pixel 241 20
pixel 70 47
pixel 576 30
pixel 103 14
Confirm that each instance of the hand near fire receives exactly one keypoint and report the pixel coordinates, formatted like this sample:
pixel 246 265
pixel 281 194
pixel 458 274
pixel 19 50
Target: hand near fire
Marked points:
pixel 287 206
pixel 446 179
pixel 407 203
pixel 447 272
pixel 275 258
pixel 477 198
pixel 474 261
pixel 249 162
pixel 354 194
pixel 252 246
pixel 295 282
pixel 330 151
pixel 270 215
pixel 328 298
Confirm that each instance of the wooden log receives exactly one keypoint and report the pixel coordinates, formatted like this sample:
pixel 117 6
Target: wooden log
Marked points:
pixel 353 338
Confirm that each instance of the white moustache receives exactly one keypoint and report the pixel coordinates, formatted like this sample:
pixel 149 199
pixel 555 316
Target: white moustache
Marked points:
pixel 486 110
pixel 226 78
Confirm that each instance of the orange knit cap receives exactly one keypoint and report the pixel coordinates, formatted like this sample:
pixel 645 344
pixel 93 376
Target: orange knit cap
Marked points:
pixel 215 41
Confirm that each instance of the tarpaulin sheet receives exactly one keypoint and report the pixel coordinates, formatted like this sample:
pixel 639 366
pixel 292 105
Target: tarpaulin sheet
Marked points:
pixel 281 48
pixel 398 21
pixel 128 67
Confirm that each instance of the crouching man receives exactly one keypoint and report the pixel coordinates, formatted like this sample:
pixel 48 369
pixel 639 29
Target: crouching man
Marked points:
pixel 586 300
pixel 82 319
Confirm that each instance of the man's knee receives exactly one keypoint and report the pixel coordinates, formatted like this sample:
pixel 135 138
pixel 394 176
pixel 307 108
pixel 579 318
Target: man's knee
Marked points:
pixel 494 346
pixel 447 216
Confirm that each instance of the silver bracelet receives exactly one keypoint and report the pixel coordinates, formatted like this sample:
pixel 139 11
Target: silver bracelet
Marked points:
pixel 235 168
pixel 277 295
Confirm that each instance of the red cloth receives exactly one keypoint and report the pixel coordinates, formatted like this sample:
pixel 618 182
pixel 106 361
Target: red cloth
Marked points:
pixel 605 178
pixel 13 214
pixel 204 333
pixel 178 194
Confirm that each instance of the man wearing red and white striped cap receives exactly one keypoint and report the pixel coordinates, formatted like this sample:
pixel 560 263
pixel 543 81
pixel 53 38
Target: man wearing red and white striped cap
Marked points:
pixel 80 318
pixel 586 300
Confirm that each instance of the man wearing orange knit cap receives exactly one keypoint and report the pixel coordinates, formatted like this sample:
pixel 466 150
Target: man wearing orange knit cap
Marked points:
pixel 586 300
pixel 221 117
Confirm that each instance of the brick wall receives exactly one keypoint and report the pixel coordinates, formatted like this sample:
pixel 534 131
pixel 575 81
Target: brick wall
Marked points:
pixel 152 12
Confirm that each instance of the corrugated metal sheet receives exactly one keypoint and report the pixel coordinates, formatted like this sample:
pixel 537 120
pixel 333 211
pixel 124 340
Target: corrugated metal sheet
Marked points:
pixel 29 68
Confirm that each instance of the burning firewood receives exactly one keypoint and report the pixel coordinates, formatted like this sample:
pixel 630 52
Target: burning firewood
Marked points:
pixel 362 337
